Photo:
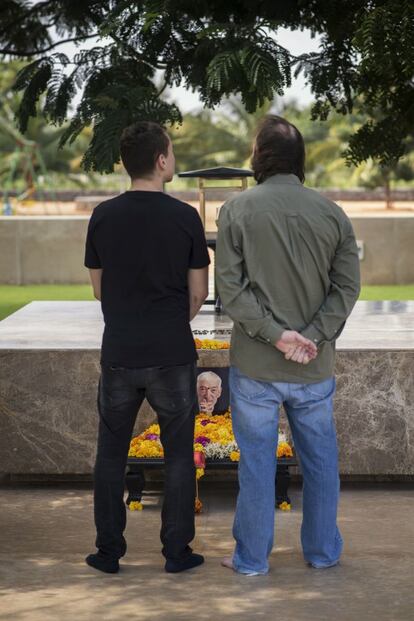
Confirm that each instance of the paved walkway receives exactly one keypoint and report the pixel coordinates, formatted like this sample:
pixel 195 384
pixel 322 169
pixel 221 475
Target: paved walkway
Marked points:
pixel 45 533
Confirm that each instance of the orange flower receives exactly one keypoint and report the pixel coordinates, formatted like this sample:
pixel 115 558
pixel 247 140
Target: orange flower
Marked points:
pixel 284 450
pixel 211 344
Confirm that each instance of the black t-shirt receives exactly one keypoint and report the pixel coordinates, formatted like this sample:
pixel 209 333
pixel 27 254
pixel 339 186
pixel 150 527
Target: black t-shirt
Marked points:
pixel 145 243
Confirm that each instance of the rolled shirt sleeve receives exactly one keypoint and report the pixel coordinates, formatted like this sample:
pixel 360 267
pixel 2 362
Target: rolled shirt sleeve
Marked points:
pixel 329 321
pixel 236 294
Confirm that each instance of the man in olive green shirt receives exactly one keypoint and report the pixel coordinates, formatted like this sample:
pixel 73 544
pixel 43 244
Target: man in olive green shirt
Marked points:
pixel 287 273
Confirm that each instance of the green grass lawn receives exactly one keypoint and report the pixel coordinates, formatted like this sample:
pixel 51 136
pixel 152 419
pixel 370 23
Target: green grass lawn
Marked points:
pixel 14 297
pixel 390 292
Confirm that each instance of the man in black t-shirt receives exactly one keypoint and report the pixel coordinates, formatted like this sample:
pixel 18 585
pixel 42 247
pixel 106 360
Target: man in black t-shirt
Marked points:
pixel 148 262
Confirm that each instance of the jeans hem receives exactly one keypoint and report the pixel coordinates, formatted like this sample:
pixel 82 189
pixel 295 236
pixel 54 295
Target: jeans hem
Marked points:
pixel 240 570
pixel 323 566
pixel 251 572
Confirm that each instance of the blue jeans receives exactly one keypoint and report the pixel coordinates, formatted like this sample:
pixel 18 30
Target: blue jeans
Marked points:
pixel 255 415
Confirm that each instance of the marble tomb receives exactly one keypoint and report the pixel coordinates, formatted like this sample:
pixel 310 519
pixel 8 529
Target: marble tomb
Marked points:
pixel 49 368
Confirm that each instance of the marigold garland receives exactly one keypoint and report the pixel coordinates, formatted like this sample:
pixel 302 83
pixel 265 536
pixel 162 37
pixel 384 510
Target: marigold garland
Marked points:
pixel 213 438
pixel 211 344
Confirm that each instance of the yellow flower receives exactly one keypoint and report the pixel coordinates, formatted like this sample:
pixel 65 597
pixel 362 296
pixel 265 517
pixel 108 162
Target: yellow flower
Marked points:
pixel 211 344
pixel 285 506
pixel 284 450
pixel 235 456
pixel 216 427
pixel 135 505
pixel 199 473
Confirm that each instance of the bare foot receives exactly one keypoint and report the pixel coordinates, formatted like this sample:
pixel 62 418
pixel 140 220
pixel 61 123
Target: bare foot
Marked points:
pixel 228 562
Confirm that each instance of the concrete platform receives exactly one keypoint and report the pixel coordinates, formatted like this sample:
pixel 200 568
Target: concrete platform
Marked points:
pixel 45 534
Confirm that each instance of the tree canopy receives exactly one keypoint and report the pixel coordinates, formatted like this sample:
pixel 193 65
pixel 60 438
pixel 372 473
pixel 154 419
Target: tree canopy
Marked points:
pixel 219 49
pixel 21 157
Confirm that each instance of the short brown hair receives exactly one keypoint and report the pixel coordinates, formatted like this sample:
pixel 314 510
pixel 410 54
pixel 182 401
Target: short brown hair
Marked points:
pixel 141 144
pixel 279 148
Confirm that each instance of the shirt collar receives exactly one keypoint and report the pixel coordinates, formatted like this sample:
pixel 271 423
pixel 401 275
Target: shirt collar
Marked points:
pixel 282 179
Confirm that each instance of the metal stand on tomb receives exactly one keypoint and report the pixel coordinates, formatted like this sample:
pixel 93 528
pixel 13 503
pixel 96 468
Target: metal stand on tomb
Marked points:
pixel 238 178
pixel 135 477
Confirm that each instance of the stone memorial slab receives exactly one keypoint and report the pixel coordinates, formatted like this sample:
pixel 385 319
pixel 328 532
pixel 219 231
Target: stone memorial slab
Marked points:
pixel 49 368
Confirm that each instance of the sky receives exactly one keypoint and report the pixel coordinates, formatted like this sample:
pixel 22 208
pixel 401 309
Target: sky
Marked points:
pixel 297 42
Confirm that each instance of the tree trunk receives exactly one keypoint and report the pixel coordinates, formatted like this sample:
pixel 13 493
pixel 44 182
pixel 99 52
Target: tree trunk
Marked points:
pixel 387 188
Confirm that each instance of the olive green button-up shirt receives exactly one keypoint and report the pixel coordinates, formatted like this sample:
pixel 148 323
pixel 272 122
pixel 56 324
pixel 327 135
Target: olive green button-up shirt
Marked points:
pixel 286 259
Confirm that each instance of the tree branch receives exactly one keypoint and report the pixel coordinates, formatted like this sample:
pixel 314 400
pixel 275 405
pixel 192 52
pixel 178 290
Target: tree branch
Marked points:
pixel 10 52
pixel 35 8
pixel 134 52
pixel 162 89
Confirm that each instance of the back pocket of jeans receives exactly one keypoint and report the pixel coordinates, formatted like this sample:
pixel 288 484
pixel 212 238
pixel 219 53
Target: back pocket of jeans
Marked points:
pixel 320 390
pixel 248 387
pixel 169 400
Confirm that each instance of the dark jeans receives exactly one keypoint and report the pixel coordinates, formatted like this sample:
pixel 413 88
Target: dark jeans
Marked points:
pixel 171 392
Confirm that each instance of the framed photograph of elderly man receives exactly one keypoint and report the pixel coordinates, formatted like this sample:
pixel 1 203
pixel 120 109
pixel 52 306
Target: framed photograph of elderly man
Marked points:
pixel 213 389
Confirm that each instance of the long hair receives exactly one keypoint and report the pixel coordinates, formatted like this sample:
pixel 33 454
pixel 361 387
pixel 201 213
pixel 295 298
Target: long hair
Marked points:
pixel 278 148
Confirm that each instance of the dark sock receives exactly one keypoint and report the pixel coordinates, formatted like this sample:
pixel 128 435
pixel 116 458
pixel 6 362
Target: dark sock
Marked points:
pixel 173 567
pixel 103 563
